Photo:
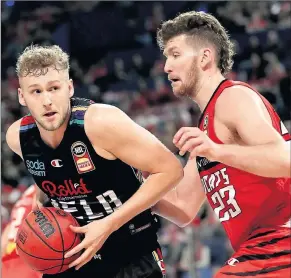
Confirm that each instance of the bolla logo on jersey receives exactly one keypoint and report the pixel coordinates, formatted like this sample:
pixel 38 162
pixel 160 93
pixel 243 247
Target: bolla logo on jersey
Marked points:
pixel 67 189
pixel 57 163
pixel 82 158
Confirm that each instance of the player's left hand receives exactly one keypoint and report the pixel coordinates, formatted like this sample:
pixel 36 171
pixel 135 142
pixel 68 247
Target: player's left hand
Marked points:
pixel 196 142
pixel 96 233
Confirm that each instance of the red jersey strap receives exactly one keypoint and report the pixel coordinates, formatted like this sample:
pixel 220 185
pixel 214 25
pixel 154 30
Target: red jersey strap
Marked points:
pixel 206 121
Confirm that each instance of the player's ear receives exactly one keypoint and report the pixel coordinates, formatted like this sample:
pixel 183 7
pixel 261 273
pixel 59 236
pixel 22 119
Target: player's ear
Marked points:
pixel 20 97
pixel 205 58
pixel 71 88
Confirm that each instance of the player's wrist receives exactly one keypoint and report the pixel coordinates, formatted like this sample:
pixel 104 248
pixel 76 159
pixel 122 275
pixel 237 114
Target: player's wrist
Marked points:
pixel 216 153
pixel 115 221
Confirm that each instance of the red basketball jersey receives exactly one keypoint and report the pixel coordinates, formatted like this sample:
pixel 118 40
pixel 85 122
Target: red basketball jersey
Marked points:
pixel 20 210
pixel 242 201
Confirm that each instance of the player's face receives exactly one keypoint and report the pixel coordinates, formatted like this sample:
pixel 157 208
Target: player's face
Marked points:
pixel 182 66
pixel 47 97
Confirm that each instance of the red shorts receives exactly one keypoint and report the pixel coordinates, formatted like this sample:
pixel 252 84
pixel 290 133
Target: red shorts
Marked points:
pixel 265 255
pixel 13 266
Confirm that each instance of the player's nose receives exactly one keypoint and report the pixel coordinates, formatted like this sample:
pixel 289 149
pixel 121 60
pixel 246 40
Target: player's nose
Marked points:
pixel 47 101
pixel 167 67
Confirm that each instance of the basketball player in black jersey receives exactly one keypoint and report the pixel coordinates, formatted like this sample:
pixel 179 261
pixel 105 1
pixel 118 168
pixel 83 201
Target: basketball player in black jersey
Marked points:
pixel 84 157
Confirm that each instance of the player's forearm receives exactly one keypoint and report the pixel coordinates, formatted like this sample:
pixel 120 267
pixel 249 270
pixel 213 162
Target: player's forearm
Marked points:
pixel 154 188
pixel 180 211
pixel 182 204
pixel 270 160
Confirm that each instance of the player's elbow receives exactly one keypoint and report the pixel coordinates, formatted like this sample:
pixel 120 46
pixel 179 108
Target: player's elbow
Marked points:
pixel 174 210
pixel 184 221
pixel 186 215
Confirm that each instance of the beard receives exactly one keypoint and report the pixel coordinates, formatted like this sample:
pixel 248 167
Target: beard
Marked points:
pixel 54 125
pixel 189 87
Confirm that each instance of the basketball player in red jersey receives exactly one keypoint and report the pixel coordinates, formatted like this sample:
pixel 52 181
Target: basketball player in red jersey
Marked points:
pixel 12 264
pixel 239 151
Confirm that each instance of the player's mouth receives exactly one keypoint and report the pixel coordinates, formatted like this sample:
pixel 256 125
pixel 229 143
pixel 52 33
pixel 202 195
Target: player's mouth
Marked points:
pixel 173 80
pixel 50 115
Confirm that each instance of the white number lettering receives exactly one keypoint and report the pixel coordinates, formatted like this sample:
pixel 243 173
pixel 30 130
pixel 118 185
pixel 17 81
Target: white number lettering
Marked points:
pixel 232 207
pixel 112 199
pixel 108 200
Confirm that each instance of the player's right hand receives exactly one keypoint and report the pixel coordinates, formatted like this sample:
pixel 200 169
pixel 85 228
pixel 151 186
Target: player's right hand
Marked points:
pixel 196 142
pixel 96 233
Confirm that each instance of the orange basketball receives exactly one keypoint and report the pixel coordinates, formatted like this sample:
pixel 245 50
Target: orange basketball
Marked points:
pixel 45 237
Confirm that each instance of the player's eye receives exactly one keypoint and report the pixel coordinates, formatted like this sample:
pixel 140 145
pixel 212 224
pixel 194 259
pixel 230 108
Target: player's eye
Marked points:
pixel 37 91
pixel 175 55
pixel 54 88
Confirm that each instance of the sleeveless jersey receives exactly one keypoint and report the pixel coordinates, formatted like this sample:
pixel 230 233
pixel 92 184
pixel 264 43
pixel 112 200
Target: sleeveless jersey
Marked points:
pixel 20 210
pixel 79 181
pixel 242 201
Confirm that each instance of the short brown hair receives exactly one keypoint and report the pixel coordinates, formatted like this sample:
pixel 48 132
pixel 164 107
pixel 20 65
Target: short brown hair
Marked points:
pixel 37 59
pixel 203 27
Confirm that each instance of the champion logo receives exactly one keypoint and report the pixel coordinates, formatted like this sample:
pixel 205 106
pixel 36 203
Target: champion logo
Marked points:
pixel 232 261
pixel 57 163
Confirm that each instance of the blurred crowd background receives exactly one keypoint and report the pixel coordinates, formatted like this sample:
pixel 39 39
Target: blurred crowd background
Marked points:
pixel 115 60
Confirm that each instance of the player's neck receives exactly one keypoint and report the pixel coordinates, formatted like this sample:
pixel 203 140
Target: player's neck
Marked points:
pixel 54 138
pixel 207 87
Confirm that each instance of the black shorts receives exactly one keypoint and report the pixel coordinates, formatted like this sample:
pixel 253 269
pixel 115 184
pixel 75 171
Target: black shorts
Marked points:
pixel 148 265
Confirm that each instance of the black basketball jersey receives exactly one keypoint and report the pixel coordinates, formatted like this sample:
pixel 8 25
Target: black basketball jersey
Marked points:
pixel 81 182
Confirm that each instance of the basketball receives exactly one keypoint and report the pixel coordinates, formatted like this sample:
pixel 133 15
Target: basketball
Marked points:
pixel 45 237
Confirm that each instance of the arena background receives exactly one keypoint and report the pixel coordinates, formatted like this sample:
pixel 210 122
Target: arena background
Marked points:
pixel 115 60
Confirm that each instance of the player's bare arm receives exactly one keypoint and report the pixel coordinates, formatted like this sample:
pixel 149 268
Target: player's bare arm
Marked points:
pixel 182 204
pixel 243 112
pixel 12 139
pixel 112 131
pixel 116 133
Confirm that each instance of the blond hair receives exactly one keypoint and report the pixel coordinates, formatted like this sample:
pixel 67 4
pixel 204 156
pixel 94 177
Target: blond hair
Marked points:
pixel 36 60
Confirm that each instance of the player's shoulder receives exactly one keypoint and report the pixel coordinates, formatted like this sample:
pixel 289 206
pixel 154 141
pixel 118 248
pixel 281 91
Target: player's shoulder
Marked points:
pixel 238 94
pixel 12 136
pixel 100 114
pixel 237 99
pixel 100 118
pixel 98 108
